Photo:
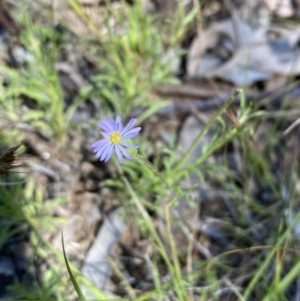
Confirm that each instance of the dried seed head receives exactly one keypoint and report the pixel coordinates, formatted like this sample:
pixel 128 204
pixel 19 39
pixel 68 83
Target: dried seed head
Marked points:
pixel 10 160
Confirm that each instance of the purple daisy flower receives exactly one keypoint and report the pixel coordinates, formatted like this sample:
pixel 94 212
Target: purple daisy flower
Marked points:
pixel 115 139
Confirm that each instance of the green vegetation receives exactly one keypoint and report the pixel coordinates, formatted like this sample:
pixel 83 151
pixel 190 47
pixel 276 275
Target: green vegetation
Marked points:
pixel 132 63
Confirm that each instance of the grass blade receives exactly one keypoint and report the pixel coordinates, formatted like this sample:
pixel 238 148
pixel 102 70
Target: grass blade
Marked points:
pixel 76 286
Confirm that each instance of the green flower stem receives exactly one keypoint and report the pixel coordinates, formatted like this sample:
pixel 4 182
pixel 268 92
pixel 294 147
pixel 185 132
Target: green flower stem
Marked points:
pixel 265 266
pixel 180 291
pixel 154 169
pixel 158 173
pixel 184 227
pixel 219 143
pixel 203 132
pixel 130 291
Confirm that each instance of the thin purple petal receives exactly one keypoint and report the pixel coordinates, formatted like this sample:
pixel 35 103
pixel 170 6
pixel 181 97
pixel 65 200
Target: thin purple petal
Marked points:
pixel 112 124
pixel 129 145
pixel 95 144
pixel 100 144
pixel 129 126
pixel 102 150
pixel 125 152
pixel 105 125
pixel 105 135
pixel 119 124
pixel 132 133
pixel 119 154
pixel 106 152
pixel 110 152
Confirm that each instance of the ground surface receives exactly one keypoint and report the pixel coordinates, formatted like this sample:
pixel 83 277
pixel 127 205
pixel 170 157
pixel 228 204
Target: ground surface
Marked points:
pixel 227 218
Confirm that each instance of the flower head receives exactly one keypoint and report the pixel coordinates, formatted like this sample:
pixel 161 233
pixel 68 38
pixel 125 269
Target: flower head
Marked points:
pixel 115 139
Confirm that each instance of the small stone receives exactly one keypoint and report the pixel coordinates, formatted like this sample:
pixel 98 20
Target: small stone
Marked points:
pixel 78 186
pixel 86 168
pixel 90 185
pixel 7 274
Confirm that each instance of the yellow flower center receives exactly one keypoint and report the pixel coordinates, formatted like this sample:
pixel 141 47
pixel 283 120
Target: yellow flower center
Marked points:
pixel 115 138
